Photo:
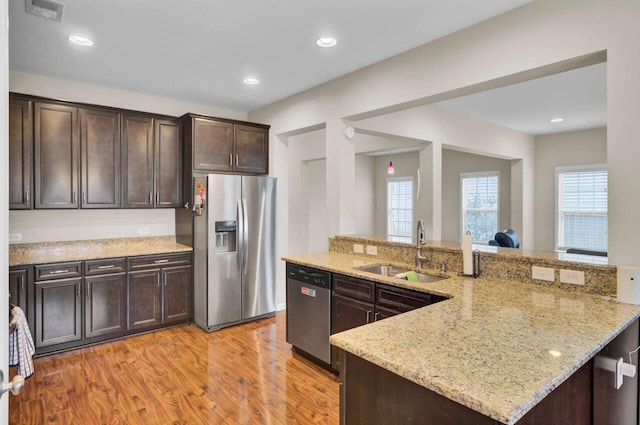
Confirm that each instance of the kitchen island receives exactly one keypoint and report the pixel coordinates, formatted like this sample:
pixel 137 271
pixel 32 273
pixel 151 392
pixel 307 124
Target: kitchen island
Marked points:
pixel 495 348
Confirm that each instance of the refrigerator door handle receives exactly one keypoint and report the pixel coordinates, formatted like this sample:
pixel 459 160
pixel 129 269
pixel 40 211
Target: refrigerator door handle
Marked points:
pixel 245 237
pixel 240 239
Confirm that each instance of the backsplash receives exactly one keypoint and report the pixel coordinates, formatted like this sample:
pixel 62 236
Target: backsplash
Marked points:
pixel 504 264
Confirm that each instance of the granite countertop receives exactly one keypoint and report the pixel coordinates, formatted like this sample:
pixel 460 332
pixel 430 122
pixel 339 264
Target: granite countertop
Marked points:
pixel 497 347
pixel 56 252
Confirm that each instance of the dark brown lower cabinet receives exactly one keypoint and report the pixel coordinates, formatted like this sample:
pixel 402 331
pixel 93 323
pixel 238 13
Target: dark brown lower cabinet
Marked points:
pixel 58 305
pixel 372 395
pixel 105 304
pixel 348 313
pixel 177 294
pixel 18 288
pixel 144 299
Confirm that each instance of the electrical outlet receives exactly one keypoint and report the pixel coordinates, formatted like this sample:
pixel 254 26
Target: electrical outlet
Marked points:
pixel 358 248
pixel 573 277
pixel 15 237
pixel 543 273
pixel 372 250
pixel 143 230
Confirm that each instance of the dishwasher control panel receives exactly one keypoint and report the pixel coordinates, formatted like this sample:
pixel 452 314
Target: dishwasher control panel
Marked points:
pixel 309 275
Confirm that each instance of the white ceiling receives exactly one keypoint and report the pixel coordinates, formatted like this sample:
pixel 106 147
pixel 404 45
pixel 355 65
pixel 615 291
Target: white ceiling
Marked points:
pixel 579 96
pixel 200 50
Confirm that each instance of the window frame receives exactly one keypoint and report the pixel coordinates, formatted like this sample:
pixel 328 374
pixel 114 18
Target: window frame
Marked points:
pixel 388 208
pixel 475 174
pixel 560 169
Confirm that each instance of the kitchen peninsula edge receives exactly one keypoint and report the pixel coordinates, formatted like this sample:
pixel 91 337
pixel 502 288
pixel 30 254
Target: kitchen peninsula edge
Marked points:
pixel 497 347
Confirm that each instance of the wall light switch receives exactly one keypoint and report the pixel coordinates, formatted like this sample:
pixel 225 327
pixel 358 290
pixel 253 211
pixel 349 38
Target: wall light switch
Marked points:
pixel 372 250
pixel 572 276
pixel 543 273
pixel 15 237
pixel 358 248
pixel 143 230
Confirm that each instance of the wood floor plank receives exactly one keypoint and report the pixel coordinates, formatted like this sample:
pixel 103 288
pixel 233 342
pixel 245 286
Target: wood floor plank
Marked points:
pixel 245 375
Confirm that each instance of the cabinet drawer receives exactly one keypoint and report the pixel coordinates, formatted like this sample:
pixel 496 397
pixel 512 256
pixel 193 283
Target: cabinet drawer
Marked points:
pixel 150 261
pixel 400 299
pixel 355 288
pixel 109 265
pixel 58 271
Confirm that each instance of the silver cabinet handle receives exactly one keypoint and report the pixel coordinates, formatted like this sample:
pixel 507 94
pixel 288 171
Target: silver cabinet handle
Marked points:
pixel 157 198
pixel 84 198
pixel 110 266
pixel 159 279
pixel 74 197
pixel 26 195
pixel 78 286
pixel 88 289
pixel 59 271
pixel 368 316
pixel 164 279
pixel 376 317
pixel 150 198
pixel 230 160
pixel 161 261
pixel 236 160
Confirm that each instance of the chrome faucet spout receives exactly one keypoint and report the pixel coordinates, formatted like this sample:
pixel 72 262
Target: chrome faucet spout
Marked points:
pixel 421 241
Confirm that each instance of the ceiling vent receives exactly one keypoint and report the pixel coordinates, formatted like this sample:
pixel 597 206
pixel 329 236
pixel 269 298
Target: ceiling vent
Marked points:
pixel 48 9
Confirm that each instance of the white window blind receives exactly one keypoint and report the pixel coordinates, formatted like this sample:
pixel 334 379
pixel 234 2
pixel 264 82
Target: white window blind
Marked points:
pixel 480 205
pixel 582 199
pixel 400 206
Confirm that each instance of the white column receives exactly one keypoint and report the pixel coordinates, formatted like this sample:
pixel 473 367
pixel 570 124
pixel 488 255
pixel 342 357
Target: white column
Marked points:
pixel 429 206
pixel 341 179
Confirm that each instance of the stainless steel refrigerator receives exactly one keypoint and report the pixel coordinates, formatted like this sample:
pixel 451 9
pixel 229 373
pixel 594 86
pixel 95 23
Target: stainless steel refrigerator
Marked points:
pixel 234 249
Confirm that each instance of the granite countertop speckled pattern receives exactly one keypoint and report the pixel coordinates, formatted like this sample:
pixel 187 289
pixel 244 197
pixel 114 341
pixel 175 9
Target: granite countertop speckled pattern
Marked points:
pixel 487 347
pixel 57 252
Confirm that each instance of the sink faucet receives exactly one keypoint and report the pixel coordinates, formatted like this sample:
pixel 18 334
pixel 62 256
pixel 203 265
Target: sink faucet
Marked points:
pixel 421 241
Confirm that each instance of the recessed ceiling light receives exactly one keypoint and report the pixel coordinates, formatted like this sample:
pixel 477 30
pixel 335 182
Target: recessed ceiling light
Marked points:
pixel 80 40
pixel 556 120
pixel 326 42
pixel 252 81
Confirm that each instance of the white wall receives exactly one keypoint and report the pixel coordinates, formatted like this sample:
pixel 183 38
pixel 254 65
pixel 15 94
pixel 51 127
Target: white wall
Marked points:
pixel 70 225
pixel 537 36
pixel 88 93
pixel 316 237
pixel 453 164
pixel 405 165
pixel 364 205
pixel 572 148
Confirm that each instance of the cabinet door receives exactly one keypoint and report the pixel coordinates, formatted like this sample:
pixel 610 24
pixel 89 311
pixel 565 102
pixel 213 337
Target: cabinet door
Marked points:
pixel 251 149
pixel 20 154
pixel 100 142
pixel 56 156
pixel 105 304
pixel 168 163
pixel 383 313
pixel 144 299
pixel 18 289
pixel 212 145
pixel 137 161
pixel 176 294
pixel 58 311
pixel 348 313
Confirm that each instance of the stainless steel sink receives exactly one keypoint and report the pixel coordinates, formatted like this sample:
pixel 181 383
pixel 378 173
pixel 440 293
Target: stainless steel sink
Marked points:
pixel 397 272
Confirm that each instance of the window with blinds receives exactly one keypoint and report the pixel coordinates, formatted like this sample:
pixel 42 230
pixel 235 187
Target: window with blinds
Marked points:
pixel 581 219
pixel 400 206
pixel 480 205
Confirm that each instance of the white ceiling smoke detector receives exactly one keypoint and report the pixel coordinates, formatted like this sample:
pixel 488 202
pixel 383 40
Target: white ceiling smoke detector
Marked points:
pixel 48 9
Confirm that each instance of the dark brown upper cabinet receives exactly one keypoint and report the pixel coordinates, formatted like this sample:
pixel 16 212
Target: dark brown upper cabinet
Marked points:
pixel 20 153
pixel 100 142
pixel 56 155
pixel 137 161
pixel 251 149
pixel 218 145
pixel 168 163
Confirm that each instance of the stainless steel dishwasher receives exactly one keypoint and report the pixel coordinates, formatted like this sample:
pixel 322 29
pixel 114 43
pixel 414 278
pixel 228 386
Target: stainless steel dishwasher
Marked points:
pixel 309 311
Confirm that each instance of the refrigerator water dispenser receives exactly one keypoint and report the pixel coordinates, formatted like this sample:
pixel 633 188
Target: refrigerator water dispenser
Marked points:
pixel 225 236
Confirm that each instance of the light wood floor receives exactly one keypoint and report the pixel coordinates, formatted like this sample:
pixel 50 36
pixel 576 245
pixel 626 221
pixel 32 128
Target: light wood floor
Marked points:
pixel 240 375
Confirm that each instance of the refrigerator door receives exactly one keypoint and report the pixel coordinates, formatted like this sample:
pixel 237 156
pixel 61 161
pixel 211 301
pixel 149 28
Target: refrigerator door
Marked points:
pixel 259 277
pixel 224 262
